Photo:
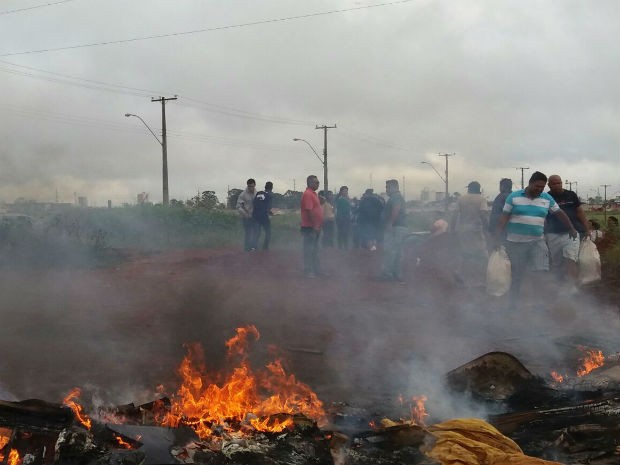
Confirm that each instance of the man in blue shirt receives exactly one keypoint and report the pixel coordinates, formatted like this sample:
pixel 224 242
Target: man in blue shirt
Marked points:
pixel 524 217
pixel 393 219
pixel 261 212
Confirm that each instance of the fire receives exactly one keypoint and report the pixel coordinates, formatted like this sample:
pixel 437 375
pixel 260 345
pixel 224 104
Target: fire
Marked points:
pixel 5 436
pixel 418 410
pixel 123 444
pixel 558 378
pixel 591 360
pixel 242 397
pixel 71 402
pixel 13 457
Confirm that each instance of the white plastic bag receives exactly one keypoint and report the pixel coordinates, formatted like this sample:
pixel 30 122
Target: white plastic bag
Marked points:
pixel 498 273
pixel 589 263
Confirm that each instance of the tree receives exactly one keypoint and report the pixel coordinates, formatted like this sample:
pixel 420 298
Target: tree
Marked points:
pixel 207 200
pixel 176 203
pixel 233 195
pixel 278 200
pixel 292 199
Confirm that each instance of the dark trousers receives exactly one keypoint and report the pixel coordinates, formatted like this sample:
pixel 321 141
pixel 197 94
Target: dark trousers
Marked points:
pixel 249 229
pixel 328 233
pixel 343 232
pixel 264 224
pixel 311 250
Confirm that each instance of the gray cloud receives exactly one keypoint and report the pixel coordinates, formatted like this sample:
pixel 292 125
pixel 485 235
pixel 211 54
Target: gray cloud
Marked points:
pixel 502 85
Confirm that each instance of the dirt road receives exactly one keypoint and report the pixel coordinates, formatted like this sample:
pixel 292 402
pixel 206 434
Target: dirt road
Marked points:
pixel 119 332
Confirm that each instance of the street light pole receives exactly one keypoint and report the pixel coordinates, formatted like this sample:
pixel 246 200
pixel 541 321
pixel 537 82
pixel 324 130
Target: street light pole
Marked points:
pixel 522 168
pixel 164 146
pixel 325 128
pixel 322 160
pixel 443 178
pixel 164 157
pixel 605 186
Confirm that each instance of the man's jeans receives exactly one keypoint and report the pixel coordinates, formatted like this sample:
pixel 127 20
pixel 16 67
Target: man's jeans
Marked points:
pixel 311 250
pixel 266 225
pixel 249 228
pixel 393 247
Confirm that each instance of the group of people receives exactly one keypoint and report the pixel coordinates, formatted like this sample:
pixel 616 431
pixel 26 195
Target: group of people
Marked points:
pixel 387 220
pixel 352 221
pixel 255 210
pixel 539 230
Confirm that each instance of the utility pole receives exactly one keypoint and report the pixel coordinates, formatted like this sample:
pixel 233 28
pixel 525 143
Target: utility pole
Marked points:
pixel 570 184
pixel 325 128
pixel 164 148
pixel 522 168
pixel 605 186
pixel 446 155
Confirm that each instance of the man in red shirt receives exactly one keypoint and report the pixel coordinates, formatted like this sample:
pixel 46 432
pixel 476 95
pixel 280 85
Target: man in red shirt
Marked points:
pixel 311 222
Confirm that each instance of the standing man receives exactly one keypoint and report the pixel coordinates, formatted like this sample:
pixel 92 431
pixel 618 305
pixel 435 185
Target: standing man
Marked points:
pixel 261 211
pixel 564 250
pixel 505 189
pixel 394 232
pixel 369 219
pixel 311 222
pixel 245 205
pixel 470 221
pixel 343 217
pixel 524 216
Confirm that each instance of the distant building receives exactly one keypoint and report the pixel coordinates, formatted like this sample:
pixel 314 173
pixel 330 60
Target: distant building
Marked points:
pixel 425 195
pixel 82 202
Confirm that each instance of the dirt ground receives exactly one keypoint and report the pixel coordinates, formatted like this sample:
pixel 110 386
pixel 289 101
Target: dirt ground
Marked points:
pixel 119 332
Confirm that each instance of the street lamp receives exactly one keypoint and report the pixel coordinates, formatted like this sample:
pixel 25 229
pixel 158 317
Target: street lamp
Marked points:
pixel 444 179
pixel 322 160
pixel 165 200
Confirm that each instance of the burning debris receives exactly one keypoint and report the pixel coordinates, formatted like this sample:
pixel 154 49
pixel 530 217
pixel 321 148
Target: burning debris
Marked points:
pixel 267 416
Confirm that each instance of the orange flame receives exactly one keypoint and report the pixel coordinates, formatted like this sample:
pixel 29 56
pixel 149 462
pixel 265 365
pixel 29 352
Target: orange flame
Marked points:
pixel 242 397
pixel 591 360
pixel 71 402
pixel 418 410
pixel 4 439
pixel 123 444
pixel 558 378
pixel 13 457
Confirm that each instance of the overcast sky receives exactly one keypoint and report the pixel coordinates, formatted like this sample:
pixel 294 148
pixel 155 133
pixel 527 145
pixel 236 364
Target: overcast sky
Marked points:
pixel 500 84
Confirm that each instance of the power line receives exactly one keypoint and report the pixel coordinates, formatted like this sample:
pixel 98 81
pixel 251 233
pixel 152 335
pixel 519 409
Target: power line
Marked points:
pixel 20 10
pixel 121 89
pixel 95 123
pixel 92 84
pixel 372 139
pixel 209 29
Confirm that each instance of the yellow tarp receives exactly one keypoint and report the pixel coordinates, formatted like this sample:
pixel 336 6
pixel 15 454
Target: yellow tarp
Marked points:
pixel 471 441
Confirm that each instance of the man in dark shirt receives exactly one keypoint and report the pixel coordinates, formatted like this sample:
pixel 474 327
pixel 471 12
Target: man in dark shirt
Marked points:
pixel 369 218
pixel 393 220
pixel 261 213
pixel 563 249
pixel 505 189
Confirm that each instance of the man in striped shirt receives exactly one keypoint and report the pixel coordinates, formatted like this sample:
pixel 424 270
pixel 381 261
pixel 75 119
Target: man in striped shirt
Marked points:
pixel 523 217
